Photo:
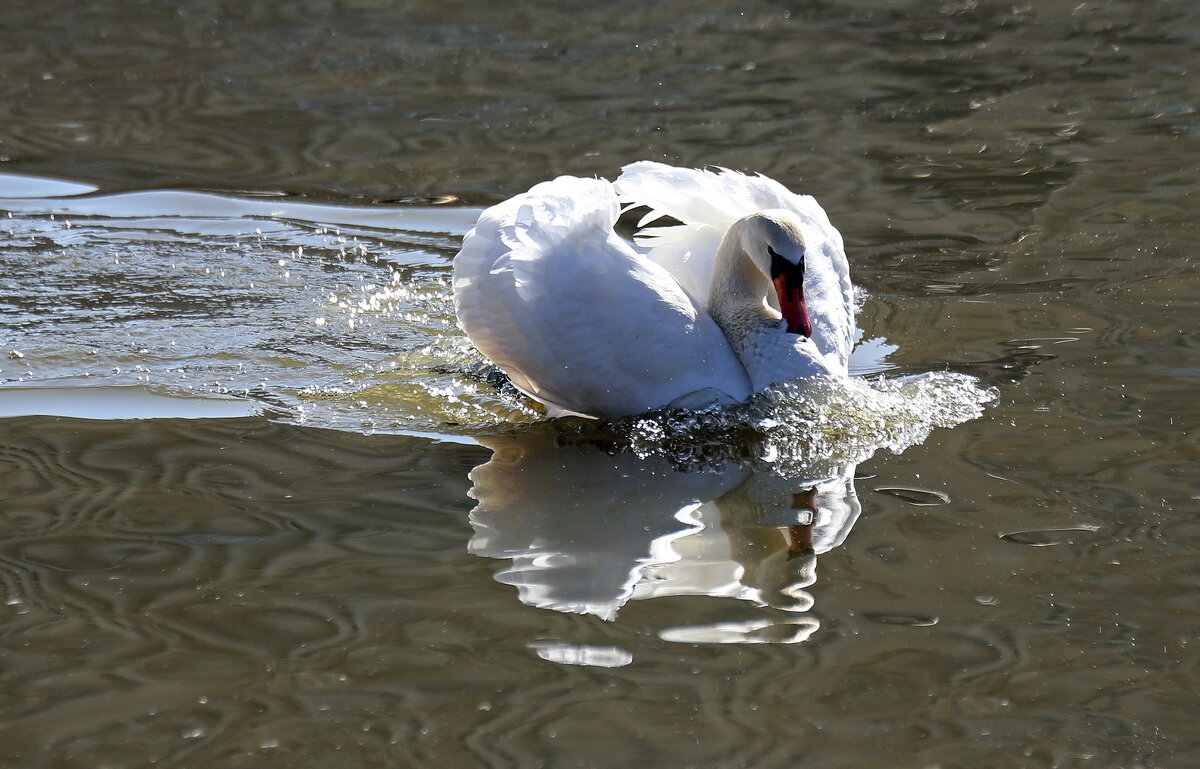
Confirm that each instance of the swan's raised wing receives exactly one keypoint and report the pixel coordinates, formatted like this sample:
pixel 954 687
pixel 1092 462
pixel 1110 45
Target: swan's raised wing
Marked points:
pixel 706 203
pixel 578 320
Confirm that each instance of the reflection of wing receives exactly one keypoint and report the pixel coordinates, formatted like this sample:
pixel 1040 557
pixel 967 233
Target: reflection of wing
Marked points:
pixel 578 320
pixel 580 525
pixel 707 203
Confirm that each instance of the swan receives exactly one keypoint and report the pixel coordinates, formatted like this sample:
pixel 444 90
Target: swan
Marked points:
pixel 749 287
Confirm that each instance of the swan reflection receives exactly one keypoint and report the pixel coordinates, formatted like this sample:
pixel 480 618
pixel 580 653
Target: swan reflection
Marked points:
pixel 588 529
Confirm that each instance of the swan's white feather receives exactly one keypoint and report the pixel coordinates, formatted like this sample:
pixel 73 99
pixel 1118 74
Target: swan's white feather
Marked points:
pixel 707 203
pixel 770 355
pixel 579 320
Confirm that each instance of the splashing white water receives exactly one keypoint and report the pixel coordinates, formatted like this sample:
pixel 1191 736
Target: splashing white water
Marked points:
pixel 803 428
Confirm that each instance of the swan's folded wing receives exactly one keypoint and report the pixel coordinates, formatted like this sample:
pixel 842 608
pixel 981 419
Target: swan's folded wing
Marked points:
pixel 546 290
pixel 695 196
pixel 707 203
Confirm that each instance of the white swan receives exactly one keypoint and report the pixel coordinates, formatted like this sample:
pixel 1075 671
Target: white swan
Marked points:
pixel 751 288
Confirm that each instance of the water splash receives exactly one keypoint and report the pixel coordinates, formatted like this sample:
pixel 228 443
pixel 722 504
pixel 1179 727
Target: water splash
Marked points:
pixel 807 428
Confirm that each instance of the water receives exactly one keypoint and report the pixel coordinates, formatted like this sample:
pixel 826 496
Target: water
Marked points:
pixel 329 545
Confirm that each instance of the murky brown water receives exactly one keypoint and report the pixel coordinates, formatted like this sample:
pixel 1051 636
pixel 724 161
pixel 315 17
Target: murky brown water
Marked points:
pixel 298 576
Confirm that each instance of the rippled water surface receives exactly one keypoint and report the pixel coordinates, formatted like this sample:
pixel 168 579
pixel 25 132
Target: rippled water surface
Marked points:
pixel 261 505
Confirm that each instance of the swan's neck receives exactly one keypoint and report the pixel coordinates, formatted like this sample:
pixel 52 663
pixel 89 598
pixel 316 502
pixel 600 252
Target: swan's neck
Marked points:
pixel 738 293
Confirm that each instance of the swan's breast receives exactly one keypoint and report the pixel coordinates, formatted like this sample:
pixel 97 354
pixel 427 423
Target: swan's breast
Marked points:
pixel 770 355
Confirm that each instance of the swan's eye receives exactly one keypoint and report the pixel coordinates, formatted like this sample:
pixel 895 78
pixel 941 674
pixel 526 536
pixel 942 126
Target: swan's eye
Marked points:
pixel 779 265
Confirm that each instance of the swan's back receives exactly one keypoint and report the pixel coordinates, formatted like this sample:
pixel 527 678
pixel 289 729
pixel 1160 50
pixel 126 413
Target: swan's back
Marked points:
pixel 577 319
pixel 706 203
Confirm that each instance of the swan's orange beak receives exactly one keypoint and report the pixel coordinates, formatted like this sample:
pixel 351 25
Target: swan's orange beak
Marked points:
pixel 790 287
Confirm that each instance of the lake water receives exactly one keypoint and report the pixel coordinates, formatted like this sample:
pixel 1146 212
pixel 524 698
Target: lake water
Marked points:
pixel 262 507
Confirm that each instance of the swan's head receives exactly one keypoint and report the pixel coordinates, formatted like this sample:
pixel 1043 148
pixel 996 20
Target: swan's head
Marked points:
pixel 773 241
